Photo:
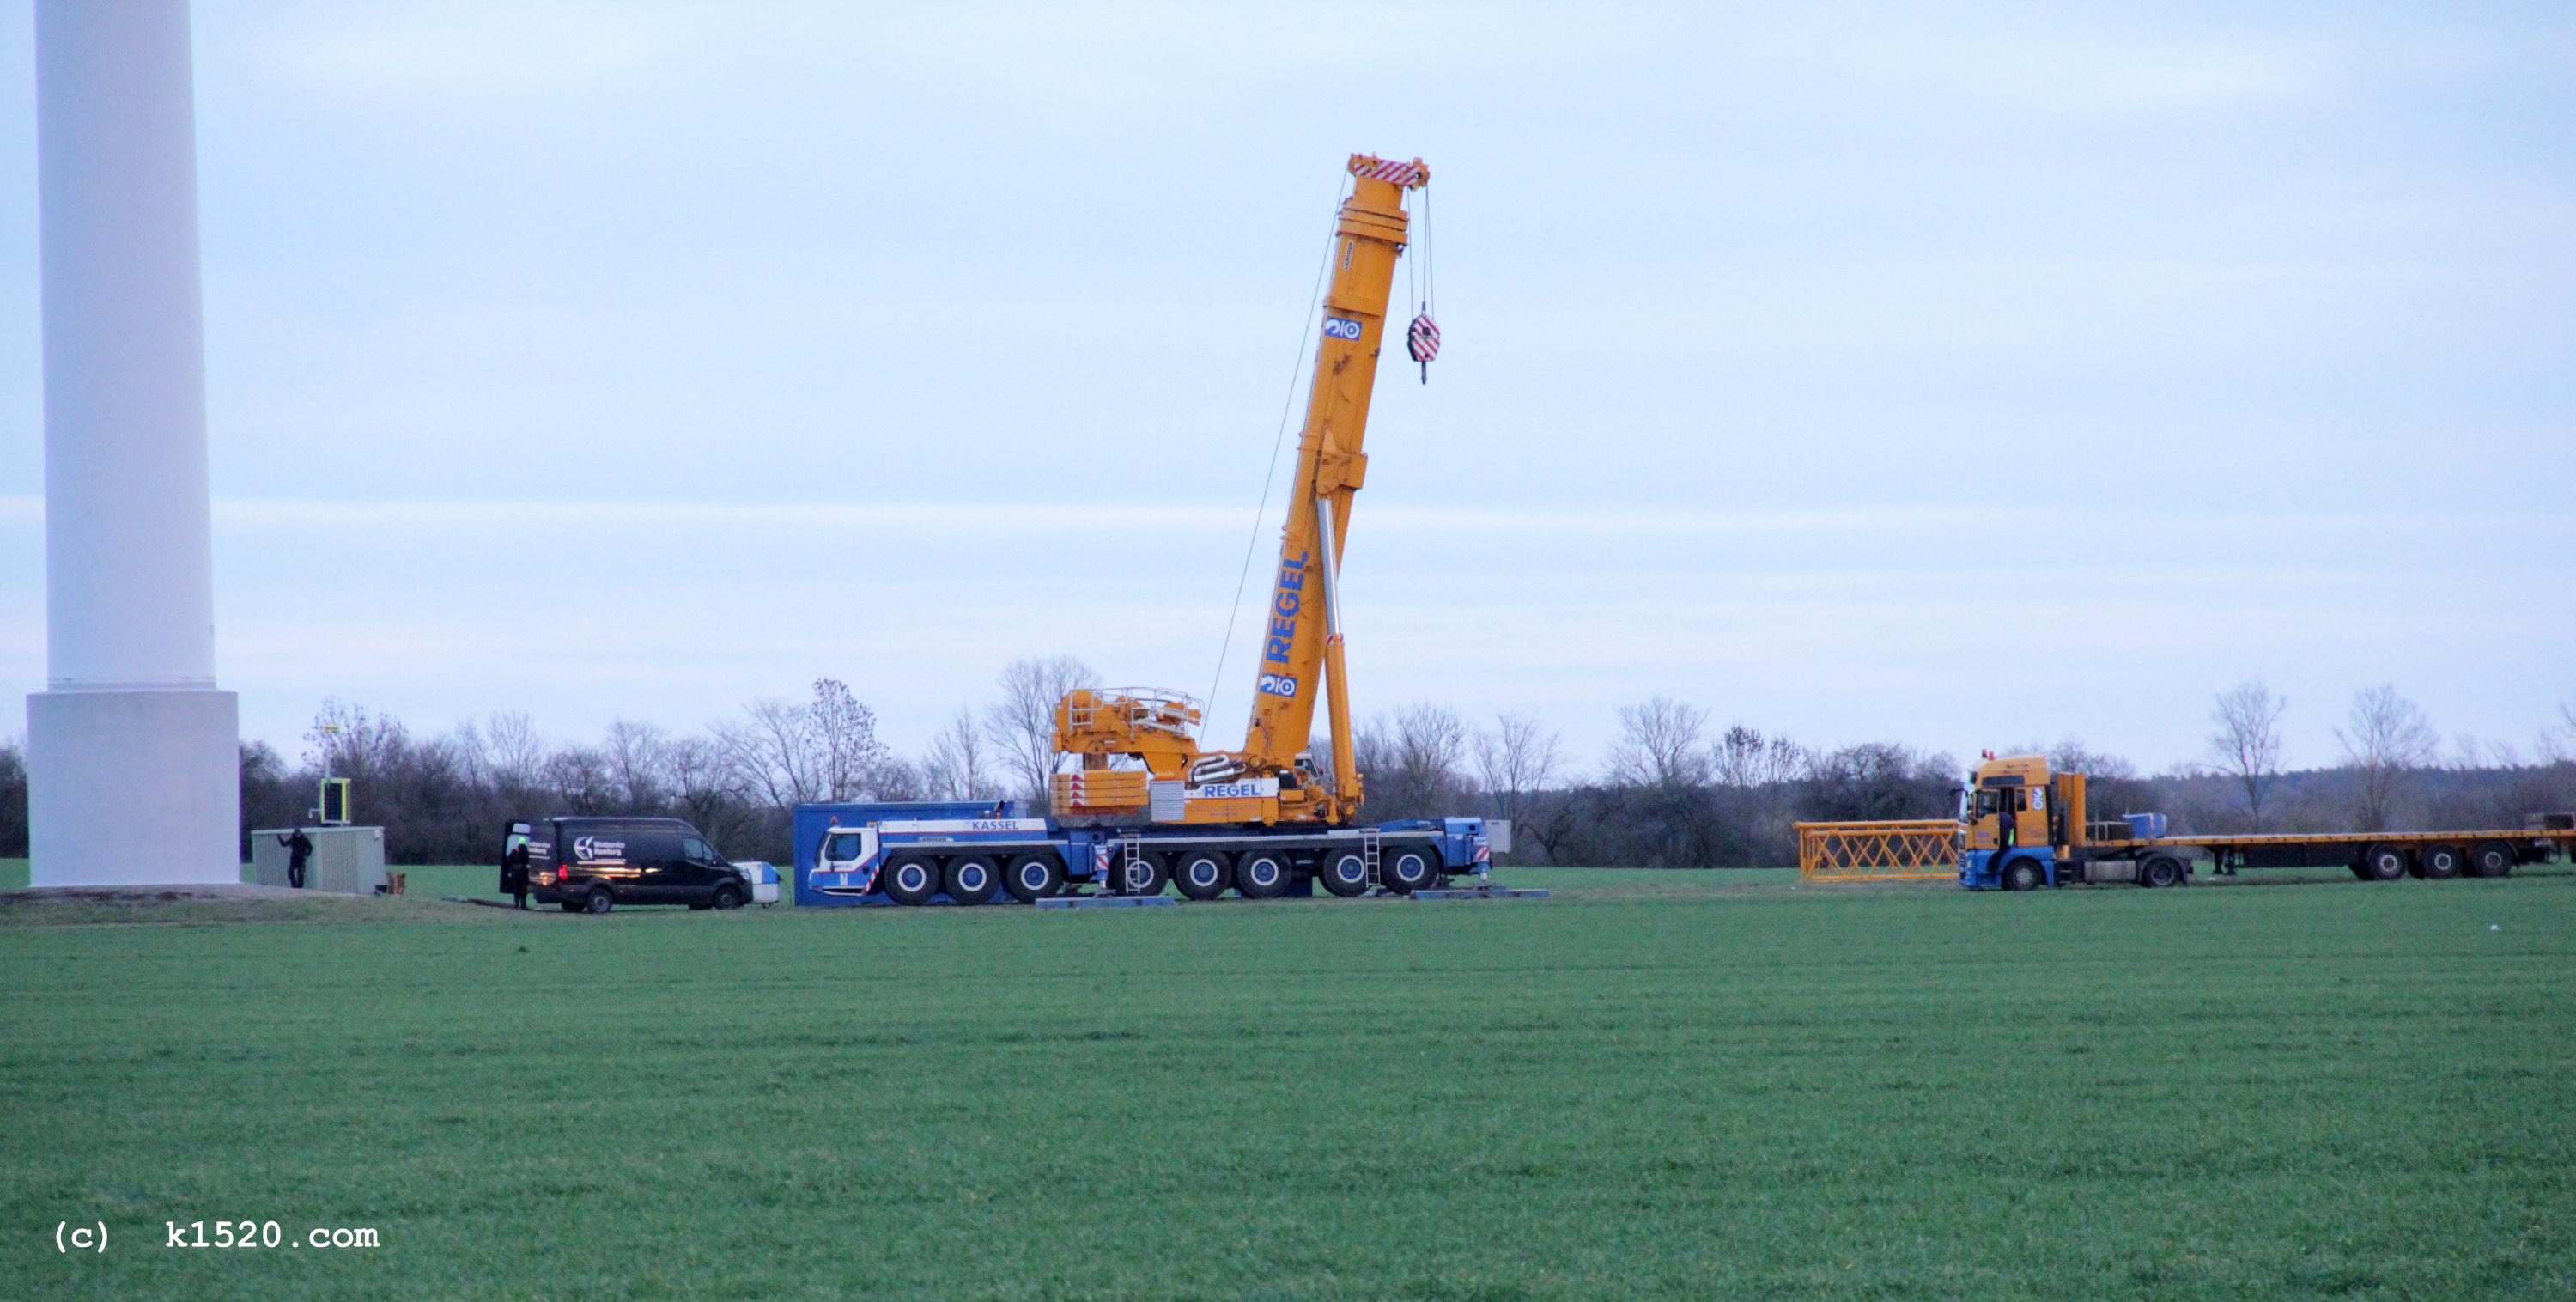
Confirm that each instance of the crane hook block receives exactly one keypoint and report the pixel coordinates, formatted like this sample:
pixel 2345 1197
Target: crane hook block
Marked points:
pixel 1422 340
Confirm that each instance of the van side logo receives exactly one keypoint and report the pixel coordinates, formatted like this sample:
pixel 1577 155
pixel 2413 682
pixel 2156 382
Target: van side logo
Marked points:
pixel 591 849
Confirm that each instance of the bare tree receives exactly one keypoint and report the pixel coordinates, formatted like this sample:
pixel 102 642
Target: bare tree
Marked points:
pixel 845 735
pixel 959 768
pixel 1516 760
pixel 1022 724
pixel 2386 739
pixel 1659 745
pixel 637 754
pixel 584 777
pixel 1423 764
pixel 2073 756
pixel 2247 741
pixel 772 754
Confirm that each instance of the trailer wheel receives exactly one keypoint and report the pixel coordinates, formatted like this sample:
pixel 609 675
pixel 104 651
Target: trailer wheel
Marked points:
pixel 912 879
pixel 1261 875
pixel 971 879
pixel 1345 873
pixel 2163 870
pixel 2385 863
pixel 2491 859
pixel 2024 875
pixel 2441 862
pixel 1203 874
pixel 1034 877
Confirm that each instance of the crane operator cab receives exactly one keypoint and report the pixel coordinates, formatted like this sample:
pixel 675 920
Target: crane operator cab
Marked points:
pixel 848 861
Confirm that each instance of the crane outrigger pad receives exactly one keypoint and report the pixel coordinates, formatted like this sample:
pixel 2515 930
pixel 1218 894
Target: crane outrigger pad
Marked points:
pixel 1104 901
pixel 1476 893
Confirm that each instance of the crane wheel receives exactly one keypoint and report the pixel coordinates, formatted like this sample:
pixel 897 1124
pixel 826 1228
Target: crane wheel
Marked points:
pixel 2163 870
pixel 1411 868
pixel 2491 859
pixel 912 879
pixel 2024 875
pixel 971 879
pixel 1344 873
pixel 1261 875
pixel 1034 877
pixel 1203 874
pixel 2440 862
pixel 1150 875
pixel 2385 863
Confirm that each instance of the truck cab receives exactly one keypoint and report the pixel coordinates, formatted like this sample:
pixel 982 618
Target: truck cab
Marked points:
pixel 2026 827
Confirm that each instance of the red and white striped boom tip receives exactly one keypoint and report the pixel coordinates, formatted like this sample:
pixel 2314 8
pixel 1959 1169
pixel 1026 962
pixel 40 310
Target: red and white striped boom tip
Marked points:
pixel 1412 176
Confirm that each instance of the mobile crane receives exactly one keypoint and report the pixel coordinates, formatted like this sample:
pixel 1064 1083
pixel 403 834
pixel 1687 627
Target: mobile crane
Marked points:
pixel 1147 806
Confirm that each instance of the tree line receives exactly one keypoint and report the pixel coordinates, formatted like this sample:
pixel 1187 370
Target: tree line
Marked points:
pixel 1675 788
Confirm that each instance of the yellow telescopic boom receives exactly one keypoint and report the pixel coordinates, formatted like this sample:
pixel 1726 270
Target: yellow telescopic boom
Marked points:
pixel 1300 646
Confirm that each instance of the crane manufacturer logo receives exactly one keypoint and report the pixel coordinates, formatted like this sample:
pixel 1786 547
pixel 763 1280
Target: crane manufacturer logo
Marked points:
pixel 1285 601
pixel 1341 327
pixel 1279 684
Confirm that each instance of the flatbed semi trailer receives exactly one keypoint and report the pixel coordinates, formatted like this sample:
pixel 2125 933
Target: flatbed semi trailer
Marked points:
pixel 974 853
pixel 2024 827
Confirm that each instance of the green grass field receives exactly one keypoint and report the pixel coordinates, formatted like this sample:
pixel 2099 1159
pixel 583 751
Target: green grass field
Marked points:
pixel 1656 1084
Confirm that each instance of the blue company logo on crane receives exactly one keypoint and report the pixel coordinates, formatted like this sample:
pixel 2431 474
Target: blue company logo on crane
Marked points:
pixel 1285 601
pixel 1341 327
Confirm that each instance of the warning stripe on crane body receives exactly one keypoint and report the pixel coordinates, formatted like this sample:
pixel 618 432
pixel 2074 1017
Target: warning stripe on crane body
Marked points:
pixel 1409 175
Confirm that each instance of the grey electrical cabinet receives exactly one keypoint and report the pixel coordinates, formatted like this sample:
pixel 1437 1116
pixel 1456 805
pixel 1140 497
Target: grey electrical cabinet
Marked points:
pixel 346 860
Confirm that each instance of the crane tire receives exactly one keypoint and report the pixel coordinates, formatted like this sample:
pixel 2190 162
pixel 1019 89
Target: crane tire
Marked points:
pixel 2024 875
pixel 912 879
pixel 2162 870
pixel 1261 874
pixel 1034 877
pixel 1344 873
pixel 1410 868
pixel 1203 874
pixel 971 879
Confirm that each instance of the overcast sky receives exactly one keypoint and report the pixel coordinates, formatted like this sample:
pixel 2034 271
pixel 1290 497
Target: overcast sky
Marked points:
pixel 1960 375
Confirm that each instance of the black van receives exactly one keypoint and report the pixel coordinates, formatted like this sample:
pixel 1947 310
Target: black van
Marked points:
pixel 595 864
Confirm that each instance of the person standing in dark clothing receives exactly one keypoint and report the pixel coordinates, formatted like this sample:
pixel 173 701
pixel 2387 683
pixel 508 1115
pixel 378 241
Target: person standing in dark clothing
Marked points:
pixel 514 871
pixel 299 848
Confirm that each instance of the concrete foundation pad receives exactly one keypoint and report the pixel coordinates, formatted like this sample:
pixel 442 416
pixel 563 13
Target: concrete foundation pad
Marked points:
pixel 134 788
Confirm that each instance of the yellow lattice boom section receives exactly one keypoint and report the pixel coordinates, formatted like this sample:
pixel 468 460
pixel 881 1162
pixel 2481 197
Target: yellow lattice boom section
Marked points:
pixel 1897 850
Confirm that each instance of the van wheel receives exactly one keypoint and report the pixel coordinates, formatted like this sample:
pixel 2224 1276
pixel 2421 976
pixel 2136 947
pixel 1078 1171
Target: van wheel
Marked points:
pixel 911 880
pixel 2440 862
pixel 1413 868
pixel 1262 875
pixel 1345 873
pixel 598 901
pixel 1034 877
pixel 2384 863
pixel 971 879
pixel 727 897
pixel 1203 874
pixel 2491 859
pixel 2024 875
pixel 2160 871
